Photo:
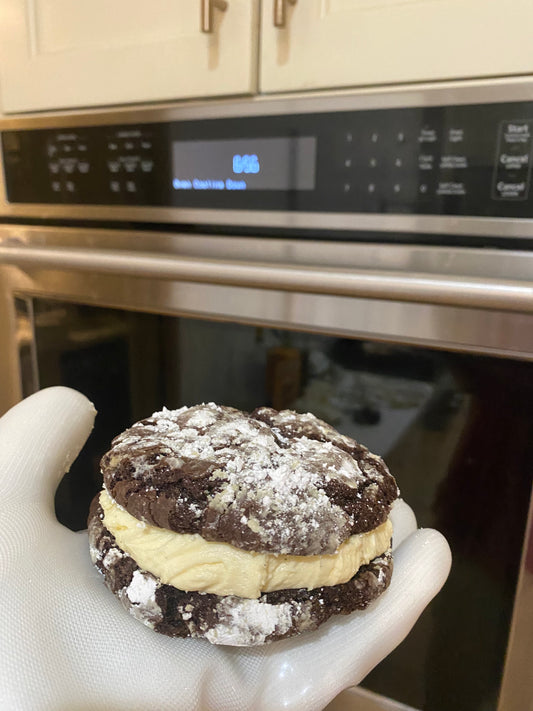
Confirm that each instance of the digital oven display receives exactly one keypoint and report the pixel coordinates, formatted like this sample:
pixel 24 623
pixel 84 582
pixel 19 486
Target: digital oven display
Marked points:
pixel 287 163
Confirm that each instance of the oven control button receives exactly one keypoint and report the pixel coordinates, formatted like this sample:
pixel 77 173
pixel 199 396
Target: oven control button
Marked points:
pixel 456 135
pixel 426 161
pixel 453 162
pixel 83 166
pixel 70 186
pixel 516 132
pixel 56 186
pixel 511 189
pixel 512 169
pixel 452 188
pixel 114 186
pixel 131 186
pixel 53 167
pixel 427 135
pixel 514 161
pixel 113 165
pixel 147 165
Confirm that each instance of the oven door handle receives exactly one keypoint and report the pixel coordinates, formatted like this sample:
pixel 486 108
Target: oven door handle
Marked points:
pixel 466 291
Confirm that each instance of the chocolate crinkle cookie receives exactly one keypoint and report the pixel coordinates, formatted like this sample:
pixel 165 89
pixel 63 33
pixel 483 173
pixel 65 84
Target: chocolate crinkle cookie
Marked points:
pixel 294 515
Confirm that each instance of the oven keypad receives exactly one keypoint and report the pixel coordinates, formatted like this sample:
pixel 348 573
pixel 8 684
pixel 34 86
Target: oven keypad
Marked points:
pixel 400 166
pixel 67 162
pixel 130 162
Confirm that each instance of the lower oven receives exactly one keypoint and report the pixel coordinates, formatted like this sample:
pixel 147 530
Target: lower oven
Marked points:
pixel 440 385
pixel 407 325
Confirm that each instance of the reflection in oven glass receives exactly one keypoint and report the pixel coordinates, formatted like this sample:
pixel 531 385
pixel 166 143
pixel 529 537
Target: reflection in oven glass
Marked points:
pixel 456 431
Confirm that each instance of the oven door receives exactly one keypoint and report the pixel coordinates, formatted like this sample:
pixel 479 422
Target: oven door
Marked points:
pixel 425 354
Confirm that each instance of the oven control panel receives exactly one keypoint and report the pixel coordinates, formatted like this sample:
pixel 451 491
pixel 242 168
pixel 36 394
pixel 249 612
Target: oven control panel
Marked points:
pixel 472 160
pixel 71 154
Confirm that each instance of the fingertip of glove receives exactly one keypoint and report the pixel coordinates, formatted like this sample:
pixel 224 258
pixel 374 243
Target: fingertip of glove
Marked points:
pixel 39 439
pixel 50 399
pixel 60 394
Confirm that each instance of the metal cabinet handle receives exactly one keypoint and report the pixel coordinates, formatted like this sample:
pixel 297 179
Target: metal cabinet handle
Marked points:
pixel 280 11
pixel 207 8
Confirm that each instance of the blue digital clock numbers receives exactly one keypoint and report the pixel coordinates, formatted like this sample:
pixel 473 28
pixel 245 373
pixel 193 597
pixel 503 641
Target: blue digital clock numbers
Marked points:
pixel 274 163
pixel 246 164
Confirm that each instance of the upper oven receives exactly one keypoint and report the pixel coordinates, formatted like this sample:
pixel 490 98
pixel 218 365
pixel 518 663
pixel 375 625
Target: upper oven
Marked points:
pixel 362 255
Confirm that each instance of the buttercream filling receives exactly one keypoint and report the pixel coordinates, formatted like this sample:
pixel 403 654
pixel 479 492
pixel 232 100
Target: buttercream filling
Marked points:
pixel 190 563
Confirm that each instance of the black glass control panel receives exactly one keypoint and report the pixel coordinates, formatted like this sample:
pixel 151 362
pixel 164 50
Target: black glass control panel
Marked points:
pixel 445 160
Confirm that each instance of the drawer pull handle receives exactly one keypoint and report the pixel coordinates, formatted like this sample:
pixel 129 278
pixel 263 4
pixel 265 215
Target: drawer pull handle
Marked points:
pixel 280 12
pixel 207 10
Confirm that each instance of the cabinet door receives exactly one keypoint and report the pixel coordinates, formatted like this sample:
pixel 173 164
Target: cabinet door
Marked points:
pixel 327 43
pixel 65 54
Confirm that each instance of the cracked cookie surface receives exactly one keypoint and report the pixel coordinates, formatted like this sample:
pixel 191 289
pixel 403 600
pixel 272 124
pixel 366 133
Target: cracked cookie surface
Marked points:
pixel 268 481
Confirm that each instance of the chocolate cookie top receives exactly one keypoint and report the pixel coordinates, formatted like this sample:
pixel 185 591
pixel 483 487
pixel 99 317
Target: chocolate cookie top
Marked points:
pixel 269 481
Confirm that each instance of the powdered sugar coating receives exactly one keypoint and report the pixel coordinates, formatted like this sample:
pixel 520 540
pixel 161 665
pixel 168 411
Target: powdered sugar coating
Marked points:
pixel 141 590
pixel 271 481
pixel 249 622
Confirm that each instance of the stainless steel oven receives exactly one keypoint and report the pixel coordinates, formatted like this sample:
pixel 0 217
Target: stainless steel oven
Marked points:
pixel 364 255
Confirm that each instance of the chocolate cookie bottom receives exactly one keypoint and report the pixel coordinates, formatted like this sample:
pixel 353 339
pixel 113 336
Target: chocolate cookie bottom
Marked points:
pixel 227 619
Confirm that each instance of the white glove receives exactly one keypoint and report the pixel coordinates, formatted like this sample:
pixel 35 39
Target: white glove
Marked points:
pixel 67 643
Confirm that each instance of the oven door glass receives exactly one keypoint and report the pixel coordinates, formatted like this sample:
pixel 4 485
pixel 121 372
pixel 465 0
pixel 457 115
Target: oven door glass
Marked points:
pixel 456 431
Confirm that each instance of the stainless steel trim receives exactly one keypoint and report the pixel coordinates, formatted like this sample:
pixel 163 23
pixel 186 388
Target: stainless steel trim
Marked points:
pixel 401 258
pixel 516 694
pixel 329 222
pixel 26 345
pixel 474 330
pixel 451 290
pixel 443 93
pixel 11 380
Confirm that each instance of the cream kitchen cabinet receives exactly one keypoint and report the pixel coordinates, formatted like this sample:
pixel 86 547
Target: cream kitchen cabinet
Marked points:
pixel 62 54
pixel 339 43
pixel 59 54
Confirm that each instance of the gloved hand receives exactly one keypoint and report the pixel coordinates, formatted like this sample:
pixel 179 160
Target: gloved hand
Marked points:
pixel 67 643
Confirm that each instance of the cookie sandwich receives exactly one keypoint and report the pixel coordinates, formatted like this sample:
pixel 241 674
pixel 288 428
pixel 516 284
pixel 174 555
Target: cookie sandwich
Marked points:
pixel 241 528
